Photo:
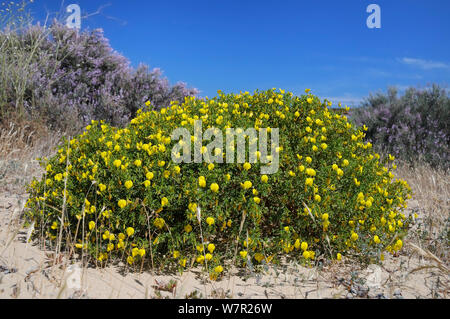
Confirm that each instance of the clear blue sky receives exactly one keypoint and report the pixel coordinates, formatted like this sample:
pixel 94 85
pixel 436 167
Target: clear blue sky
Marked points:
pixel 244 45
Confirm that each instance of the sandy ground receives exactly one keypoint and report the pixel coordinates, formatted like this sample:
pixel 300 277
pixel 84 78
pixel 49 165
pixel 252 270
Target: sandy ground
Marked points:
pixel 28 272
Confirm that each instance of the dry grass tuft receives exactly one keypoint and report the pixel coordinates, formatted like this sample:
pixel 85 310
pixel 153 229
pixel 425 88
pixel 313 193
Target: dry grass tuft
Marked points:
pixel 21 142
pixel 431 202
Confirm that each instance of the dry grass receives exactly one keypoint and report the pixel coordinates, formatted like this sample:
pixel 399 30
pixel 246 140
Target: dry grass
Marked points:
pixel 431 201
pixel 21 142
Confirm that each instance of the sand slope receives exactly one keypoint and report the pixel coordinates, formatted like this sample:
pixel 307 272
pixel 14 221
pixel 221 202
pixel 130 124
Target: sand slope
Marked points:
pixel 28 272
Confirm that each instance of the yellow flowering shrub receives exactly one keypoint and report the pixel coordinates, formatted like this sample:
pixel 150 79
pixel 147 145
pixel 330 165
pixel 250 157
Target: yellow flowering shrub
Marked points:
pixel 125 198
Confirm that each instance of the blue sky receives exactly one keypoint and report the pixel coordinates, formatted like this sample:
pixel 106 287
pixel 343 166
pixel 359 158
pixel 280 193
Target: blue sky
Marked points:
pixel 245 45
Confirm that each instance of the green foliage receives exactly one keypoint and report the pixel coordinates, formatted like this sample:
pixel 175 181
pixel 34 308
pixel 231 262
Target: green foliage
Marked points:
pixel 122 196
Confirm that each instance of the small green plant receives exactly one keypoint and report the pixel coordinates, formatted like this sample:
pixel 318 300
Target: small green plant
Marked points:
pixel 116 193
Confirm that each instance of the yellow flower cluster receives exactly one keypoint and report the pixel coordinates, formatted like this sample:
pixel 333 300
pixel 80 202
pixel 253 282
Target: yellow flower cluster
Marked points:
pixel 331 190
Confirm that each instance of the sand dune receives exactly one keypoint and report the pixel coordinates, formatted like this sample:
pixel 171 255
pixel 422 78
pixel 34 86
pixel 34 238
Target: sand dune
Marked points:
pixel 29 272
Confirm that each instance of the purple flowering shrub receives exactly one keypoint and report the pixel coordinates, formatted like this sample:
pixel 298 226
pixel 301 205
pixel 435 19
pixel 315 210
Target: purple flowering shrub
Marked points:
pixel 412 127
pixel 69 78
